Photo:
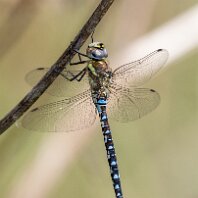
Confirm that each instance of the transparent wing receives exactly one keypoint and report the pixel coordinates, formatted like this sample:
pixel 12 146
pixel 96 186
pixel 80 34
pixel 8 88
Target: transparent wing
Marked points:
pixel 138 72
pixel 62 116
pixel 61 87
pixel 131 104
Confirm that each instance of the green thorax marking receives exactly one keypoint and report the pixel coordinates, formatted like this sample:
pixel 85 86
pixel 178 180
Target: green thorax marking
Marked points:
pixel 92 69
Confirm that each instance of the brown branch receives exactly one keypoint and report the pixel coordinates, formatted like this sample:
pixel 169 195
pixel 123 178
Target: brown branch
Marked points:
pixel 56 69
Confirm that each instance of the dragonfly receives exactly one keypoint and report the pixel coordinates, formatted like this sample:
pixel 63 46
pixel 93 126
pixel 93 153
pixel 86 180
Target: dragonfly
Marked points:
pixel 105 92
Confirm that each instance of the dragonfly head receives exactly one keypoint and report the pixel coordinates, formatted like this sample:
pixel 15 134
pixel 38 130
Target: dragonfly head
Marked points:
pixel 97 51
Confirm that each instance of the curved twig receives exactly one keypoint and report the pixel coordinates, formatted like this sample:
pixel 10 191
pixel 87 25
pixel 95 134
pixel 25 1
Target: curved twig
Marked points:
pixel 56 69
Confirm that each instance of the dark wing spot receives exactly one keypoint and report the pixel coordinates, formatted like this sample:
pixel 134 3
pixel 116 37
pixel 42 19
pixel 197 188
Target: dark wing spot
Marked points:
pixel 40 68
pixel 160 50
pixel 35 109
pixel 152 90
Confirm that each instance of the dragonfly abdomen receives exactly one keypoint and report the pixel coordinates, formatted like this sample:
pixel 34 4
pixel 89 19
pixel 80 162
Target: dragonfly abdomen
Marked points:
pixel 100 103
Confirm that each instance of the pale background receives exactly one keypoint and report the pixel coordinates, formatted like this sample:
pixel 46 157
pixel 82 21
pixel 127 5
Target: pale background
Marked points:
pixel 157 154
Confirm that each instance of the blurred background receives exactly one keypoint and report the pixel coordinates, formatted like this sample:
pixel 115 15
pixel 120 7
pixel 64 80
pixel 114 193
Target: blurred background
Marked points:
pixel 157 154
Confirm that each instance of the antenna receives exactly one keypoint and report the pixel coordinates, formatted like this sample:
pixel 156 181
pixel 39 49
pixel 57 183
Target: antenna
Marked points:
pixel 92 40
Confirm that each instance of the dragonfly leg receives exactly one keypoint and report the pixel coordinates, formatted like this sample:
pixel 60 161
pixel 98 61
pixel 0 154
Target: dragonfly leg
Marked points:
pixel 80 58
pixel 78 63
pixel 83 74
pixel 75 50
pixel 77 77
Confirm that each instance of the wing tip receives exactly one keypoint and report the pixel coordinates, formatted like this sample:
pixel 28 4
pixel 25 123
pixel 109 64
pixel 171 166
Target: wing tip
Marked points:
pixel 162 50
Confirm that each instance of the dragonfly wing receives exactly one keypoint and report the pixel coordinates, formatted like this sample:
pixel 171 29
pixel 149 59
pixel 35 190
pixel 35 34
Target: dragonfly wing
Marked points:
pixel 138 72
pixel 61 87
pixel 65 115
pixel 131 104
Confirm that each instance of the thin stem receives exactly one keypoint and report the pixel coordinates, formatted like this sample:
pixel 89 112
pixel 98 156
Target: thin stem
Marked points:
pixel 56 69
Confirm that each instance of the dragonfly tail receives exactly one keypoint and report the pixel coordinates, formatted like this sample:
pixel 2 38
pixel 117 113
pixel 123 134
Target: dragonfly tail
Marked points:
pixel 108 140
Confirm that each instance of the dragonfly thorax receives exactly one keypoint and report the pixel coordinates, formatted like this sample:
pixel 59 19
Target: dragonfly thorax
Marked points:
pixel 100 75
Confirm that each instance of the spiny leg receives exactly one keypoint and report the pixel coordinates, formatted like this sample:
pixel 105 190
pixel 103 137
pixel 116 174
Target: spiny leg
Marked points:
pixel 81 74
pixel 80 58
pixel 78 63
pixel 79 53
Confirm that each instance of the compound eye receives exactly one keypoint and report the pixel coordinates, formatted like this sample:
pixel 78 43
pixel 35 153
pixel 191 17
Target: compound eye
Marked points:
pixel 105 53
pixel 97 54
